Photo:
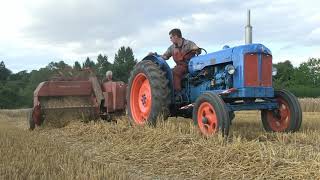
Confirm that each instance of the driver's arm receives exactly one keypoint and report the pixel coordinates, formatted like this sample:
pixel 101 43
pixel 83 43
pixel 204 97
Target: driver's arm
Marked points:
pixel 165 57
pixel 167 54
pixel 193 46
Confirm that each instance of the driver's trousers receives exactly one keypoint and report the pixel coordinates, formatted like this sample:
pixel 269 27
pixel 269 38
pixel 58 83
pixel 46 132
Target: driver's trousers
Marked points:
pixel 178 73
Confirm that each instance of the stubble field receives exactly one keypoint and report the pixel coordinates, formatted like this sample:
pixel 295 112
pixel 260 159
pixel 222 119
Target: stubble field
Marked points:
pixel 173 150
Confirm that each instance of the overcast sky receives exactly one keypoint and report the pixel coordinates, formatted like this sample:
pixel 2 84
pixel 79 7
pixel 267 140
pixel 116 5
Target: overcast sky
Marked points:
pixel 36 32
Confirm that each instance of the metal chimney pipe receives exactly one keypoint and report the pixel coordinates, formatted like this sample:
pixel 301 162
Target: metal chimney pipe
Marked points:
pixel 248 30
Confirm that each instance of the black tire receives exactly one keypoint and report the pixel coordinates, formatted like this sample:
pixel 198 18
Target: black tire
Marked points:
pixel 291 122
pixel 31 122
pixel 231 116
pixel 160 93
pixel 220 111
pixel 298 110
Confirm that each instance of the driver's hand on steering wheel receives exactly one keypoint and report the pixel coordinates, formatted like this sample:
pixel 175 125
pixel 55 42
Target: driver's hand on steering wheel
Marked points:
pixel 198 51
pixel 152 53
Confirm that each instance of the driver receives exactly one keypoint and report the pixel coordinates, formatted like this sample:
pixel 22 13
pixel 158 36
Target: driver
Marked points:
pixel 182 51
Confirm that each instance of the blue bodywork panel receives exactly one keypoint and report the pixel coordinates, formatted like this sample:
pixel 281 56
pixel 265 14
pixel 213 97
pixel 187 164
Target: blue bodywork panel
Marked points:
pixel 198 63
pixel 252 92
pixel 234 56
pixel 269 104
pixel 253 106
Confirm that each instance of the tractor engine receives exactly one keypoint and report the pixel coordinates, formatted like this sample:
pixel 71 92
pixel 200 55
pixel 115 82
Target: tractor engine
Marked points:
pixel 215 77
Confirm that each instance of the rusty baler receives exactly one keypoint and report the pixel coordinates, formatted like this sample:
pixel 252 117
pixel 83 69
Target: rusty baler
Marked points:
pixel 83 95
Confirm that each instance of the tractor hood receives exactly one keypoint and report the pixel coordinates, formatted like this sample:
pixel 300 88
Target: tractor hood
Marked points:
pixel 223 56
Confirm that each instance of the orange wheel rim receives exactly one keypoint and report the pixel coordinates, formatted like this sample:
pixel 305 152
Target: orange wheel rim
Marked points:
pixel 140 99
pixel 207 119
pixel 282 122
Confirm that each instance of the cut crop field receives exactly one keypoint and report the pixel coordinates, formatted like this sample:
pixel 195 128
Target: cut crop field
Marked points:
pixel 173 150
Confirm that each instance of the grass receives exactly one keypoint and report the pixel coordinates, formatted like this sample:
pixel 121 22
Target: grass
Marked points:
pixel 173 150
pixel 310 104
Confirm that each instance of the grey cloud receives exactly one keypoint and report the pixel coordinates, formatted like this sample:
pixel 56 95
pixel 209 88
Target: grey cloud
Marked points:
pixel 78 21
pixel 86 20
pixel 141 22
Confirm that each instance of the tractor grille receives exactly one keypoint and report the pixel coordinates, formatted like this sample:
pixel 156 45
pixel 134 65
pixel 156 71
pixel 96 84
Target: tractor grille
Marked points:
pixel 257 70
pixel 266 70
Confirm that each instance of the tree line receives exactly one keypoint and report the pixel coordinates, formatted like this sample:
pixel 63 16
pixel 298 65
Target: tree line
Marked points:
pixel 303 81
pixel 16 89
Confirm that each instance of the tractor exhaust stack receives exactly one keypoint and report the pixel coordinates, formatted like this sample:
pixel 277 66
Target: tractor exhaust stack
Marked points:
pixel 248 29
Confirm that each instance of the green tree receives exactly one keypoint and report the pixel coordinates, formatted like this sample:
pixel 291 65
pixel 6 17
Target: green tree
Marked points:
pixel 43 74
pixel 89 64
pixel 308 73
pixel 103 65
pixel 18 83
pixel 285 75
pixel 303 81
pixel 4 72
pixel 9 98
pixel 76 66
pixel 124 62
pixel 22 75
pixel 61 65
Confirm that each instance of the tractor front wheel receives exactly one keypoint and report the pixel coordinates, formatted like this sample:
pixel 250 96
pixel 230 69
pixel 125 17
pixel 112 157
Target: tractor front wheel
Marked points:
pixel 288 116
pixel 211 115
pixel 147 94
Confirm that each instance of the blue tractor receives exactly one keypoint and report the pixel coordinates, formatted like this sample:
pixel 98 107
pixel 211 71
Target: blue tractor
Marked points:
pixel 217 85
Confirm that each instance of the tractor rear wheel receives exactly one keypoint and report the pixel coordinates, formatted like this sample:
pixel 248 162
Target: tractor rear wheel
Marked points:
pixel 287 118
pixel 211 115
pixel 148 94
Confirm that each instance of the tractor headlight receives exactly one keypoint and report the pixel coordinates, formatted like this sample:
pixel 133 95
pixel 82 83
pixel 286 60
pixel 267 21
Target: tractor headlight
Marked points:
pixel 274 71
pixel 230 69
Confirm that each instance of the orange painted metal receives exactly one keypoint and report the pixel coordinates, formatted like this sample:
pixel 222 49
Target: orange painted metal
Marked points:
pixel 140 99
pixel 266 74
pixel 114 95
pixel 207 119
pixel 58 88
pixel 36 115
pixel 251 74
pixel 64 88
pixel 281 123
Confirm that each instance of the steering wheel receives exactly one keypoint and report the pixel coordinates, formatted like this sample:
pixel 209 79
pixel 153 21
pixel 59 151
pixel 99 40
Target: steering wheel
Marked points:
pixel 195 51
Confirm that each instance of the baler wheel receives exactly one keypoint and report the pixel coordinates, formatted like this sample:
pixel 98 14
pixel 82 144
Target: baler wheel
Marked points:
pixel 287 118
pixel 211 115
pixel 147 94
pixel 31 122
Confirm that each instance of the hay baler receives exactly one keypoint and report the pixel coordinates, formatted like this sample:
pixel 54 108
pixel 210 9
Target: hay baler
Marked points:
pixel 217 85
pixel 85 96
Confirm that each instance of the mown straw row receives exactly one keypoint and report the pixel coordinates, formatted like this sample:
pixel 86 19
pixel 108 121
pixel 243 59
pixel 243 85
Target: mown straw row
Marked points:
pixel 173 150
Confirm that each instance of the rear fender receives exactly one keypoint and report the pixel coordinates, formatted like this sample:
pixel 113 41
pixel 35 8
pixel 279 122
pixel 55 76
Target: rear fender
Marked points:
pixel 164 67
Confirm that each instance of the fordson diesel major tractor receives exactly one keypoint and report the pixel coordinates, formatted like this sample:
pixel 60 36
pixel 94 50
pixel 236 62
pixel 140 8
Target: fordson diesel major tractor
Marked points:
pixel 217 84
